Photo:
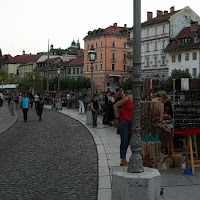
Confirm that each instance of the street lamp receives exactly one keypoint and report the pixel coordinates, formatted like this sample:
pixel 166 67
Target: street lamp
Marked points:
pixel 135 162
pixel 33 76
pixel 92 56
pixel 58 72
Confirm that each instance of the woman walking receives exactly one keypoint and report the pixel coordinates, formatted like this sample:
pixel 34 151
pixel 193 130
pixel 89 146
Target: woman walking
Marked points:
pixel 40 107
pixel 95 106
pixel 25 104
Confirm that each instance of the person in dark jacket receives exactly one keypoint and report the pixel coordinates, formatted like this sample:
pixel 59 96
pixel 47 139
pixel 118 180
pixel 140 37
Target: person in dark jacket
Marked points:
pixel 40 107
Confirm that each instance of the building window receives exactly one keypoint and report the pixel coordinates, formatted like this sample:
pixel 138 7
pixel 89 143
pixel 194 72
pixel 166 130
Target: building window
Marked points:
pixel 113 67
pixel 125 56
pixel 147 32
pixel 194 55
pixel 163 44
pixel 74 70
pixel 96 45
pixel 155 30
pixel 147 61
pixel 101 44
pixel 155 60
pixel 186 56
pixel 69 71
pixel 187 70
pixel 101 66
pixel 96 67
pixel 113 55
pixel 113 44
pixel 87 68
pixel 163 29
pixel 147 46
pixel 179 58
pixel 101 55
pixel 155 46
pixel 124 67
pixel 124 45
pixel 173 58
pixel 163 60
pixel 77 70
pixel 195 39
pixel 194 71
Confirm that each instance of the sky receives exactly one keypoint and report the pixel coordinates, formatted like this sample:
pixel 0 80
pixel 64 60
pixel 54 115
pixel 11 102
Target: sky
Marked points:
pixel 28 24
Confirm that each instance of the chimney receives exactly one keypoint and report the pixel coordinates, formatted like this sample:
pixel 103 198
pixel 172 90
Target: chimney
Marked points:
pixel 165 12
pixel 115 25
pixel 149 16
pixel 193 25
pixel 172 9
pixel 23 53
pixel 125 26
pixel 159 13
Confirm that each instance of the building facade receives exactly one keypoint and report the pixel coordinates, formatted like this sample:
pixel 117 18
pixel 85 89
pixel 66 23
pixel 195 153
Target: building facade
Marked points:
pixel 110 66
pixel 155 36
pixel 183 51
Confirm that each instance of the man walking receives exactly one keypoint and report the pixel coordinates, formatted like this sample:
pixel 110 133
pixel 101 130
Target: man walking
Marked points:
pixel 25 103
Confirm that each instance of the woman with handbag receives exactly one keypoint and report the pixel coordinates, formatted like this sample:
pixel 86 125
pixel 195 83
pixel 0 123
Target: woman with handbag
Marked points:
pixel 123 122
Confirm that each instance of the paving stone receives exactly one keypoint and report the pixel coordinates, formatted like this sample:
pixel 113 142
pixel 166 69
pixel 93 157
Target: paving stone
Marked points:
pixel 55 158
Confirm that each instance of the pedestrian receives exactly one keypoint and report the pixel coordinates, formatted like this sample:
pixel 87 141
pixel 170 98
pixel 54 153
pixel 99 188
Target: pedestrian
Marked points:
pixel 1 99
pixel 107 105
pixel 81 104
pixel 36 101
pixel 123 122
pixel 95 106
pixel 31 102
pixel 40 107
pixel 25 104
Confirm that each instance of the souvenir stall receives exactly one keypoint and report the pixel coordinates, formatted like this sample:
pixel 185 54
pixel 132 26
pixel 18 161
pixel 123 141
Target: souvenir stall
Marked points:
pixel 150 133
pixel 186 121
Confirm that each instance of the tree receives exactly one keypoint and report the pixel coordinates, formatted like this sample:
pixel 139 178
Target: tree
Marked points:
pixel 176 74
pixel 126 85
pixel 0 58
pixel 3 76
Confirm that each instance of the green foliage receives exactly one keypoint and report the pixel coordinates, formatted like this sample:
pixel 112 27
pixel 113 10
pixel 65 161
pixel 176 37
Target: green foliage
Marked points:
pixel 70 84
pixel 27 83
pixel 3 76
pixel 0 58
pixel 126 85
pixel 176 74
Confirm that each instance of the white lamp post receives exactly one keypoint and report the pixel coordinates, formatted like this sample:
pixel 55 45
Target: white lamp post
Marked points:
pixel 91 57
pixel 58 72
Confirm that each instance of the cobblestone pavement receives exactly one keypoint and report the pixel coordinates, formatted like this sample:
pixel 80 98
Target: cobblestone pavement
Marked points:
pixel 55 158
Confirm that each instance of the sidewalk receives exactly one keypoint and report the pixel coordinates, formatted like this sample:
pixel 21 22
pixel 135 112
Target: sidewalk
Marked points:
pixel 176 185
pixel 6 120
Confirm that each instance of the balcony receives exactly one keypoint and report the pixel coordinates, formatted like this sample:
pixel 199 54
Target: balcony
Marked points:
pixel 129 55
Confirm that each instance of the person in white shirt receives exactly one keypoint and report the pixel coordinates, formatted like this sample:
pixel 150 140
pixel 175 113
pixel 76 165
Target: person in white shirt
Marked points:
pixel 1 99
pixel 36 97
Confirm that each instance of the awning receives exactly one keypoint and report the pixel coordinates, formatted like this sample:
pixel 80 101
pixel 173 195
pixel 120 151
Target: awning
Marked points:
pixel 8 86
pixel 115 75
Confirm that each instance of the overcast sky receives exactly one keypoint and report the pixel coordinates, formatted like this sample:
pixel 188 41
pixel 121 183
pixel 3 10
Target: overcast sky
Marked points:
pixel 28 24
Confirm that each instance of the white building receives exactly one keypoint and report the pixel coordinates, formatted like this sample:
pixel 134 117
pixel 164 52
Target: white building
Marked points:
pixel 155 35
pixel 183 51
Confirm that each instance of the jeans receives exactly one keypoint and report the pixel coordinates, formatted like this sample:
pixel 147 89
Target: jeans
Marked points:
pixel 94 117
pixel 25 111
pixel 124 127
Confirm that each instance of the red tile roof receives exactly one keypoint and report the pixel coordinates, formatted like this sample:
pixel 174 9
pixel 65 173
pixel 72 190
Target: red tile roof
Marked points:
pixel 76 61
pixel 186 32
pixel 23 59
pixel 111 30
pixel 158 19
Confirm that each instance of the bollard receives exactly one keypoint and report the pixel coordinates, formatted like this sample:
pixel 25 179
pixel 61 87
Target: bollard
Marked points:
pixel 12 107
pixel 88 116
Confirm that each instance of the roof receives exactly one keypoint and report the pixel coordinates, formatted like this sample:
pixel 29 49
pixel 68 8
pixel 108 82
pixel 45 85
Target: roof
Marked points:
pixel 111 30
pixel 23 59
pixel 159 19
pixel 77 61
pixel 178 43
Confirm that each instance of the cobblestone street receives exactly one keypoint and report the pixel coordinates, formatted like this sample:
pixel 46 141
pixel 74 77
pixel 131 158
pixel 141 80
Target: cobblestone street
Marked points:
pixel 55 158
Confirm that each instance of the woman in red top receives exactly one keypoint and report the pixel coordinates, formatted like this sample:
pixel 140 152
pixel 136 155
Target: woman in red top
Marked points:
pixel 123 122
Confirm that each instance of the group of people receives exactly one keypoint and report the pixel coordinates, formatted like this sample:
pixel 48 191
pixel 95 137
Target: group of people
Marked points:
pixel 25 104
pixel 118 110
